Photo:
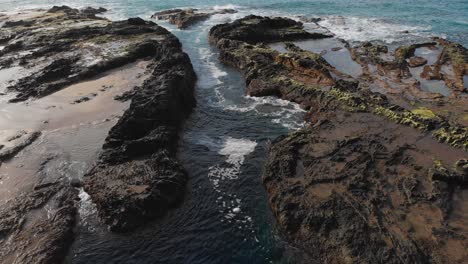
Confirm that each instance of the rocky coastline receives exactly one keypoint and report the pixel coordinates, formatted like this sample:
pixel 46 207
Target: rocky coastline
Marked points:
pixel 377 174
pixel 374 176
pixel 136 176
pixel 184 18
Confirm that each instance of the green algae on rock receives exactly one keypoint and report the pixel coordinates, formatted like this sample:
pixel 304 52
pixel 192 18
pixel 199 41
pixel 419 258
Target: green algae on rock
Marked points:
pixel 350 188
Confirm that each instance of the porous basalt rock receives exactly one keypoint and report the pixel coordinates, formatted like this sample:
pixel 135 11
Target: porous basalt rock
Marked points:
pixel 59 53
pixel 359 185
pixel 138 177
pixel 184 18
pixel 30 234
pixel 254 29
pixel 306 78
pixel 347 194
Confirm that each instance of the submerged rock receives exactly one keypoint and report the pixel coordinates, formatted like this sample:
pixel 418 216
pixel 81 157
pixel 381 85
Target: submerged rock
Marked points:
pixel 18 143
pixel 417 61
pixel 184 18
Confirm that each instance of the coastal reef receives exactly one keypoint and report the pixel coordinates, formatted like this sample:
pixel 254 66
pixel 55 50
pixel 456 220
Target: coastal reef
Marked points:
pixel 184 18
pixel 377 175
pixel 92 111
pixel 138 177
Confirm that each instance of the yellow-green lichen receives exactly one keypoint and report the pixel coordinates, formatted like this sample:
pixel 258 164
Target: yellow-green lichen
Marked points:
pixel 456 54
pixel 354 103
pixel 405 117
pixel 457 137
pixel 424 113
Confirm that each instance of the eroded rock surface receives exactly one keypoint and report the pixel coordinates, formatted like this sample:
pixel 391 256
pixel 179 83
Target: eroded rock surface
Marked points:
pixel 184 18
pixel 254 29
pixel 138 177
pixel 359 189
pixel 37 227
pixel 68 65
pixel 64 46
pixel 373 179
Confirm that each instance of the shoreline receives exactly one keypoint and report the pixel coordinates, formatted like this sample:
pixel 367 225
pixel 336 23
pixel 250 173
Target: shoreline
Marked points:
pixel 404 105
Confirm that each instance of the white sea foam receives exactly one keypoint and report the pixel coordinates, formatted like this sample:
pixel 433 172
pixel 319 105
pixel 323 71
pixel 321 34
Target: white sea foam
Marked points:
pixel 216 73
pixel 236 150
pixel 87 210
pixel 221 175
pixel 369 29
pixel 228 6
pixel 283 112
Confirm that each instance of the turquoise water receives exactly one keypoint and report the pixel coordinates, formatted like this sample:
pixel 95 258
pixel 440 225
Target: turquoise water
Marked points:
pixel 445 18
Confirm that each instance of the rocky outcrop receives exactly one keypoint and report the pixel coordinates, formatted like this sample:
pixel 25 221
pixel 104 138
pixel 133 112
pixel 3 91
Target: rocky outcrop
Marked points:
pixel 184 18
pixel 370 179
pixel 138 177
pixel 17 143
pixel 349 194
pixel 56 53
pixel 30 233
pixel 455 57
pixel 254 29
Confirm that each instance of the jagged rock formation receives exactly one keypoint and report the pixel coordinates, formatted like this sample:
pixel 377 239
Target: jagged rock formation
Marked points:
pixel 184 18
pixel 253 29
pixel 375 176
pixel 69 45
pixel 137 176
pixel 29 233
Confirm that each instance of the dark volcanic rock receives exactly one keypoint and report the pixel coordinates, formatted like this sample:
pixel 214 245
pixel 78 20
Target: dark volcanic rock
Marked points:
pixel 350 195
pixel 67 54
pixel 184 18
pixel 138 177
pixel 366 182
pixel 254 29
pixel 28 235
pixel 87 12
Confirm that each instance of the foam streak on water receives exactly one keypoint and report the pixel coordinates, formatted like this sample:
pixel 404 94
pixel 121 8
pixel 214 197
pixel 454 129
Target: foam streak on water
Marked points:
pixel 370 29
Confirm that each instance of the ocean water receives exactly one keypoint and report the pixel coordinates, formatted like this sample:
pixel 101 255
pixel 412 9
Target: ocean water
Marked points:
pixel 224 217
pixel 385 17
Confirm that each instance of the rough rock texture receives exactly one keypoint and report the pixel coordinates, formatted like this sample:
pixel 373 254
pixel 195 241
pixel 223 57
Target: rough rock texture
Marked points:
pixel 184 18
pixel 377 176
pixel 253 29
pixel 17 143
pixel 64 46
pixel 450 66
pixel 30 233
pixel 350 194
pixel 138 177
pixel 453 56
pixel 417 61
